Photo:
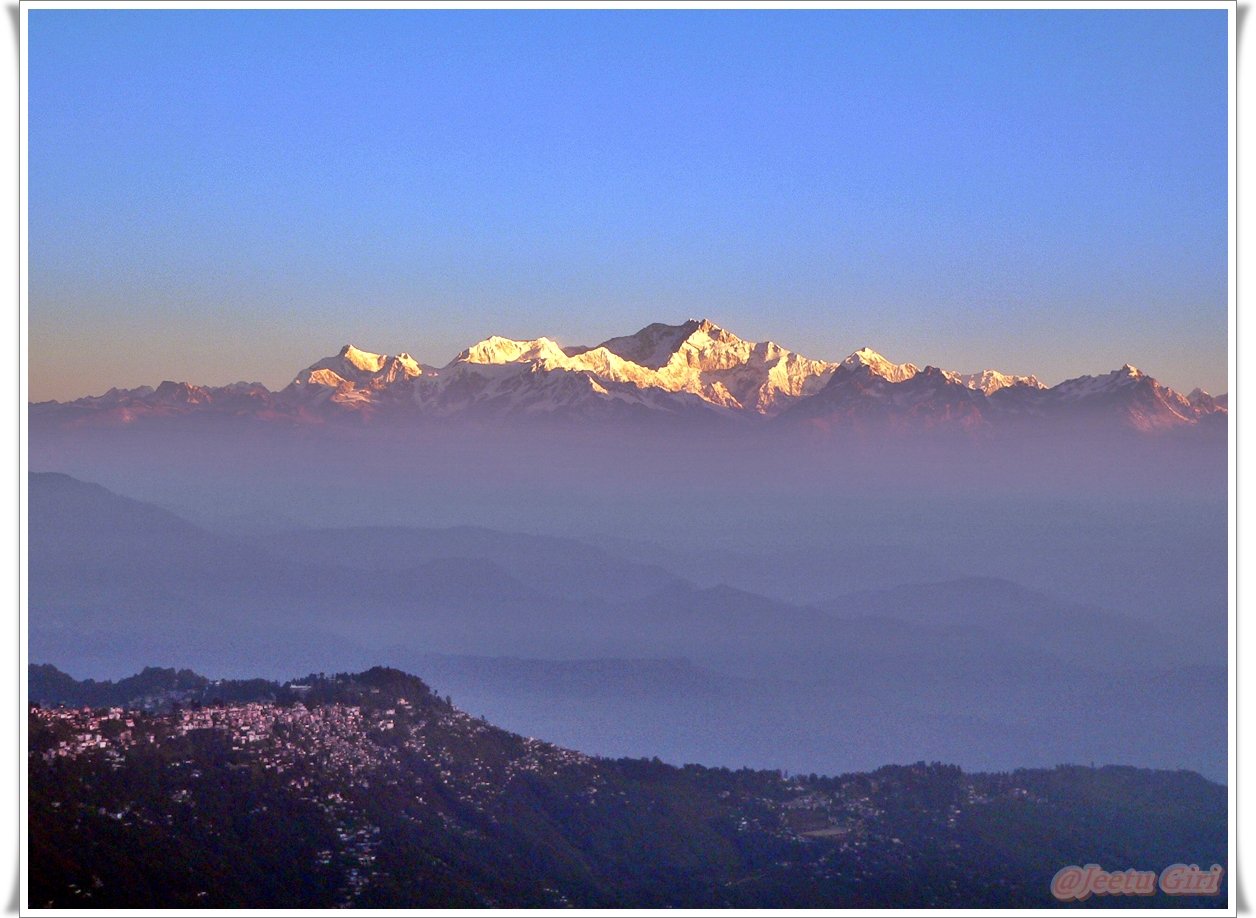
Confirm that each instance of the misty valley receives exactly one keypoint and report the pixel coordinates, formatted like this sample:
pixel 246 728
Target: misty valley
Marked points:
pixel 838 642
pixel 597 648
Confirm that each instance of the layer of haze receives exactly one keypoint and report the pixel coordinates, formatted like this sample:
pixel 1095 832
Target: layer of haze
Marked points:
pixel 233 194
pixel 725 597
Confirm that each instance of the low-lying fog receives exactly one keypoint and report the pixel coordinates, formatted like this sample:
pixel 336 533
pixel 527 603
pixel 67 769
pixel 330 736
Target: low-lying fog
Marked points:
pixel 811 603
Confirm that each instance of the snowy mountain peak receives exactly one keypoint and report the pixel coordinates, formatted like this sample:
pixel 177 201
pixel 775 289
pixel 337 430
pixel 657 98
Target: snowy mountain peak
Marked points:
pixel 653 346
pixel 408 365
pixel 730 371
pixel 496 349
pixel 697 359
pixel 989 381
pixel 867 357
pixel 353 368
pixel 709 347
pixel 656 346
pixel 694 367
pixel 1085 387
pixel 362 360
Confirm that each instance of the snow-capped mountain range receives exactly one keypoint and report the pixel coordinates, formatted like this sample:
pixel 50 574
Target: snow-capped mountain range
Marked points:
pixel 692 369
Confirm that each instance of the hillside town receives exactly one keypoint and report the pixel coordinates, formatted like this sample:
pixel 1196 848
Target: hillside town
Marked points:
pixel 370 790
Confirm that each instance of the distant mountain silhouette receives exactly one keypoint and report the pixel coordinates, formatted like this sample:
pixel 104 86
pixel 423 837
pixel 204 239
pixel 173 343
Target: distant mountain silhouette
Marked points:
pixel 694 371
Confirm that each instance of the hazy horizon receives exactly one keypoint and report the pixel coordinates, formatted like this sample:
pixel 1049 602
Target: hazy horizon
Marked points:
pixel 275 380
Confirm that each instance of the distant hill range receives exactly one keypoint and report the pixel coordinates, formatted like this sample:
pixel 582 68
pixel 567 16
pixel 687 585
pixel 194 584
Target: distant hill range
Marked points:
pixel 692 370
pixel 154 689
pixel 978 671
pixel 369 790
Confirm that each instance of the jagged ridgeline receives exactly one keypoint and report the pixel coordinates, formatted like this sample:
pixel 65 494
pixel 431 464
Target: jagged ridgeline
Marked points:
pixel 696 371
pixel 169 790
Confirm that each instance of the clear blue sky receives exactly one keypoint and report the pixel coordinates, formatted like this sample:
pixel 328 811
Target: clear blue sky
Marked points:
pixel 223 195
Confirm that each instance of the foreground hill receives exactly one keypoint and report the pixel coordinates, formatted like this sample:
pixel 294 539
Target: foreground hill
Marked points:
pixel 369 790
